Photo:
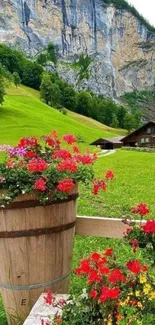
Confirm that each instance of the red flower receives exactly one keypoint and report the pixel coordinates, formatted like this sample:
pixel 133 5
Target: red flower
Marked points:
pixel 93 277
pixel 76 149
pixel 28 142
pixel 85 159
pixel 104 270
pixel 109 252
pixel 129 230
pixel 49 298
pixel 62 153
pixel 67 165
pixel 134 266
pixel 98 185
pixel 116 276
pixel 109 293
pixel 144 268
pixel 134 243
pixel 30 154
pixel 37 165
pixel 69 138
pixel 93 293
pixel 84 267
pixel 65 185
pixel 95 256
pixel 109 174
pixel 149 227
pixel 40 185
pixel 52 140
pixel 141 209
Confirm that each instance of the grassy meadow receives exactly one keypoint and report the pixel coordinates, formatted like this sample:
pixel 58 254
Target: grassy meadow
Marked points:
pixel 23 114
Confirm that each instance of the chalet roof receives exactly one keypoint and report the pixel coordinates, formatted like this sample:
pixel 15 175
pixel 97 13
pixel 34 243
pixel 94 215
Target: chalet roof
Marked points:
pixel 109 140
pixel 137 130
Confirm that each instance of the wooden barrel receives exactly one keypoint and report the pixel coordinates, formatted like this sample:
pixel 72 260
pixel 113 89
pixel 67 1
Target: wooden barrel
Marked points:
pixel 36 244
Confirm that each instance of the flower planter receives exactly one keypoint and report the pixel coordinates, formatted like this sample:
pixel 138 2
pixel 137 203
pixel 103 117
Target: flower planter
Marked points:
pixel 36 244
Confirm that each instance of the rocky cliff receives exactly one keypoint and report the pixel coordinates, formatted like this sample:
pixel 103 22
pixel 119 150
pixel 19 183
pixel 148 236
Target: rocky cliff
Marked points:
pixel 123 50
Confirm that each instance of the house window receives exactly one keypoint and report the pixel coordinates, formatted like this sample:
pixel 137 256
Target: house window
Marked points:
pixel 142 140
pixel 147 140
pixel 148 130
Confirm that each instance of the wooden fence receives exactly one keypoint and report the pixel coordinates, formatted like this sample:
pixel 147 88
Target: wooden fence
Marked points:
pixel 101 227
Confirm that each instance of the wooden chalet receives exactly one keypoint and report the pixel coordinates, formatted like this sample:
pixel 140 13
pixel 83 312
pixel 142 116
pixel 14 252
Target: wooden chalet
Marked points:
pixel 108 143
pixel 142 137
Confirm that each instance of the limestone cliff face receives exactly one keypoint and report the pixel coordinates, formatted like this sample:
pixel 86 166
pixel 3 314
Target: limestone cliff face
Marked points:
pixel 122 49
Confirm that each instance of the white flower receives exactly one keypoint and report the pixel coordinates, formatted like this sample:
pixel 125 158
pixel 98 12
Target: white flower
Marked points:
pixel 84 294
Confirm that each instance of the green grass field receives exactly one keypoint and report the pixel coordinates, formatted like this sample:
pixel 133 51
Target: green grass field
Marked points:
pixel 134 183
pixel 23 114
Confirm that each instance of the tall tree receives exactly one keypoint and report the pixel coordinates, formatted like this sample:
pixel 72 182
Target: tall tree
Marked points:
pixel 16 79
pixel 46 89
pixel 114 123
pixel 2 89
pixel 129 122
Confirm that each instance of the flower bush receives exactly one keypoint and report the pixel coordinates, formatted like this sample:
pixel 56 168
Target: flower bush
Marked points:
pixel 47 167
pixel 142 235
pixel 115 294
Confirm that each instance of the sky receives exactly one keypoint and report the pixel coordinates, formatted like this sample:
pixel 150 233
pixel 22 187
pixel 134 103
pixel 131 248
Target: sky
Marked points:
pixel 146 8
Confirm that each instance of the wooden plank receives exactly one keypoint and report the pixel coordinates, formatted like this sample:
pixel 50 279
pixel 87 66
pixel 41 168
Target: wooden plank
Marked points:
pixel 101 227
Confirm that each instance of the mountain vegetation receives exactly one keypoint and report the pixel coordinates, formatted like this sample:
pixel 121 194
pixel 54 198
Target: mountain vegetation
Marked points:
pixel 122 4
pixel 143 101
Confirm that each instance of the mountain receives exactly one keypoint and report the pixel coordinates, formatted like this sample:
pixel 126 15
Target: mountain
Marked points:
pixel 120 43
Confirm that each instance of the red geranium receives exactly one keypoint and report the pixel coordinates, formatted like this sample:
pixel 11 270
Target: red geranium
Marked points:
pixel 108 252
pixel 149 227
pixel 134 266
pixel 62 153
pixel 40 185
pixel 84 268
pixel 109 293
pixel 95 256
pixel 98 185
pixel 69 138
pixel 28 142
pixel 109 174
pixel 30 154
pixel 65 185
pixel 67 165
pixel 49 298
pixel 94 277
pixel 93 293
pixel 116 276
pixel 76 149
pixel 37 165
pixel 141 209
